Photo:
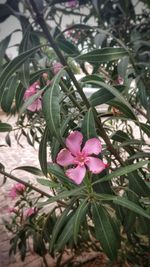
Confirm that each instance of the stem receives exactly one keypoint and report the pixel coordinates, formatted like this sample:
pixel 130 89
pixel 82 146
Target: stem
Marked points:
pixel 66 91
pixel 43 25
pixel 107 140
pixel 45 261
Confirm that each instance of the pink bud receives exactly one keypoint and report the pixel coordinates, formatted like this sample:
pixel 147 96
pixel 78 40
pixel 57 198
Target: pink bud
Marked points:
pixel 45 76
pixel 29 212
pixel 56 67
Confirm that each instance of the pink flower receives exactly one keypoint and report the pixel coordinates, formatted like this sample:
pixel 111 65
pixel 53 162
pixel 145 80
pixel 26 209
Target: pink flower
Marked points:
pixel 29 212
pixel 56 67
pixel 72 3
pixel 32 90
pixel 16 190
pixel 81 158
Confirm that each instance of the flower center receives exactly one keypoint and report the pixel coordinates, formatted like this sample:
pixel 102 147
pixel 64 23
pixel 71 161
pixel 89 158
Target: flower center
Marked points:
pixel 80 159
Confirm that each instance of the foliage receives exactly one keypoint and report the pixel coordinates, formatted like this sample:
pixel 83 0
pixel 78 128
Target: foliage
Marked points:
pixel 109 210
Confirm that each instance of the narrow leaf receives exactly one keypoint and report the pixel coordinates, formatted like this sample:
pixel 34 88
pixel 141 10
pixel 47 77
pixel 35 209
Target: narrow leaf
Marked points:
pixel 88 125
pixel 122 171
pixel 43 151
pixel 131 206
pixel 104 230
pixel 51 107
pixel 5 127
pixel 30 169
pixel 103 55
pixel 48 183
pixel 80 215
pixel 61 221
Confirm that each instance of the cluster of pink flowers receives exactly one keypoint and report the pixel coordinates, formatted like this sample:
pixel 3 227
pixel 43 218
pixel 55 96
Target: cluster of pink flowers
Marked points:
pixel 80 158
pixel 32 90
pixel 17 189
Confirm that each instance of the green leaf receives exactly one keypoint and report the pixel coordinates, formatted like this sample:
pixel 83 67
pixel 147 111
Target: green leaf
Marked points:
pixel 3 46
pixel 58 172
pixel 61 221
pixel 88 125
pixel 66 234
pixel 103 96
pixel 113 91
pixel 5 127
pixel 104 231
pixel 19 96
pixel 48 183
pixel 145 128
pixel 51 107
pixel 30 169
pixel 55 146
pixel 131 206
pixel 9 94
pixel 63 195
pixel 14 65
pixel 123 108
pixel 80 215
pixel 140 155
pixel 137 184
pixel 24 71
pixel 120 136
pixel 122 171
pixel 43 151
pixel 103 55
pixel 67 47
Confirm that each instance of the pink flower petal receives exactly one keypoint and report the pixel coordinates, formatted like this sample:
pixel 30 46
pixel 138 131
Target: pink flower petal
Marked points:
pixel 76 174
pixel 38 104
pixel 32 107
pixel 95 165
pixel 74 141
pixel 64 158
pixel 92 146
pixel 35 106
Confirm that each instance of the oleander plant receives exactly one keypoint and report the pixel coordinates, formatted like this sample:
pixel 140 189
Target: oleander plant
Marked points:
pixel 79 89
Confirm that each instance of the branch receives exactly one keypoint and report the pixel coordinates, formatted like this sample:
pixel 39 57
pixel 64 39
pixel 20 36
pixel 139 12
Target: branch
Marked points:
pixel 27 184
